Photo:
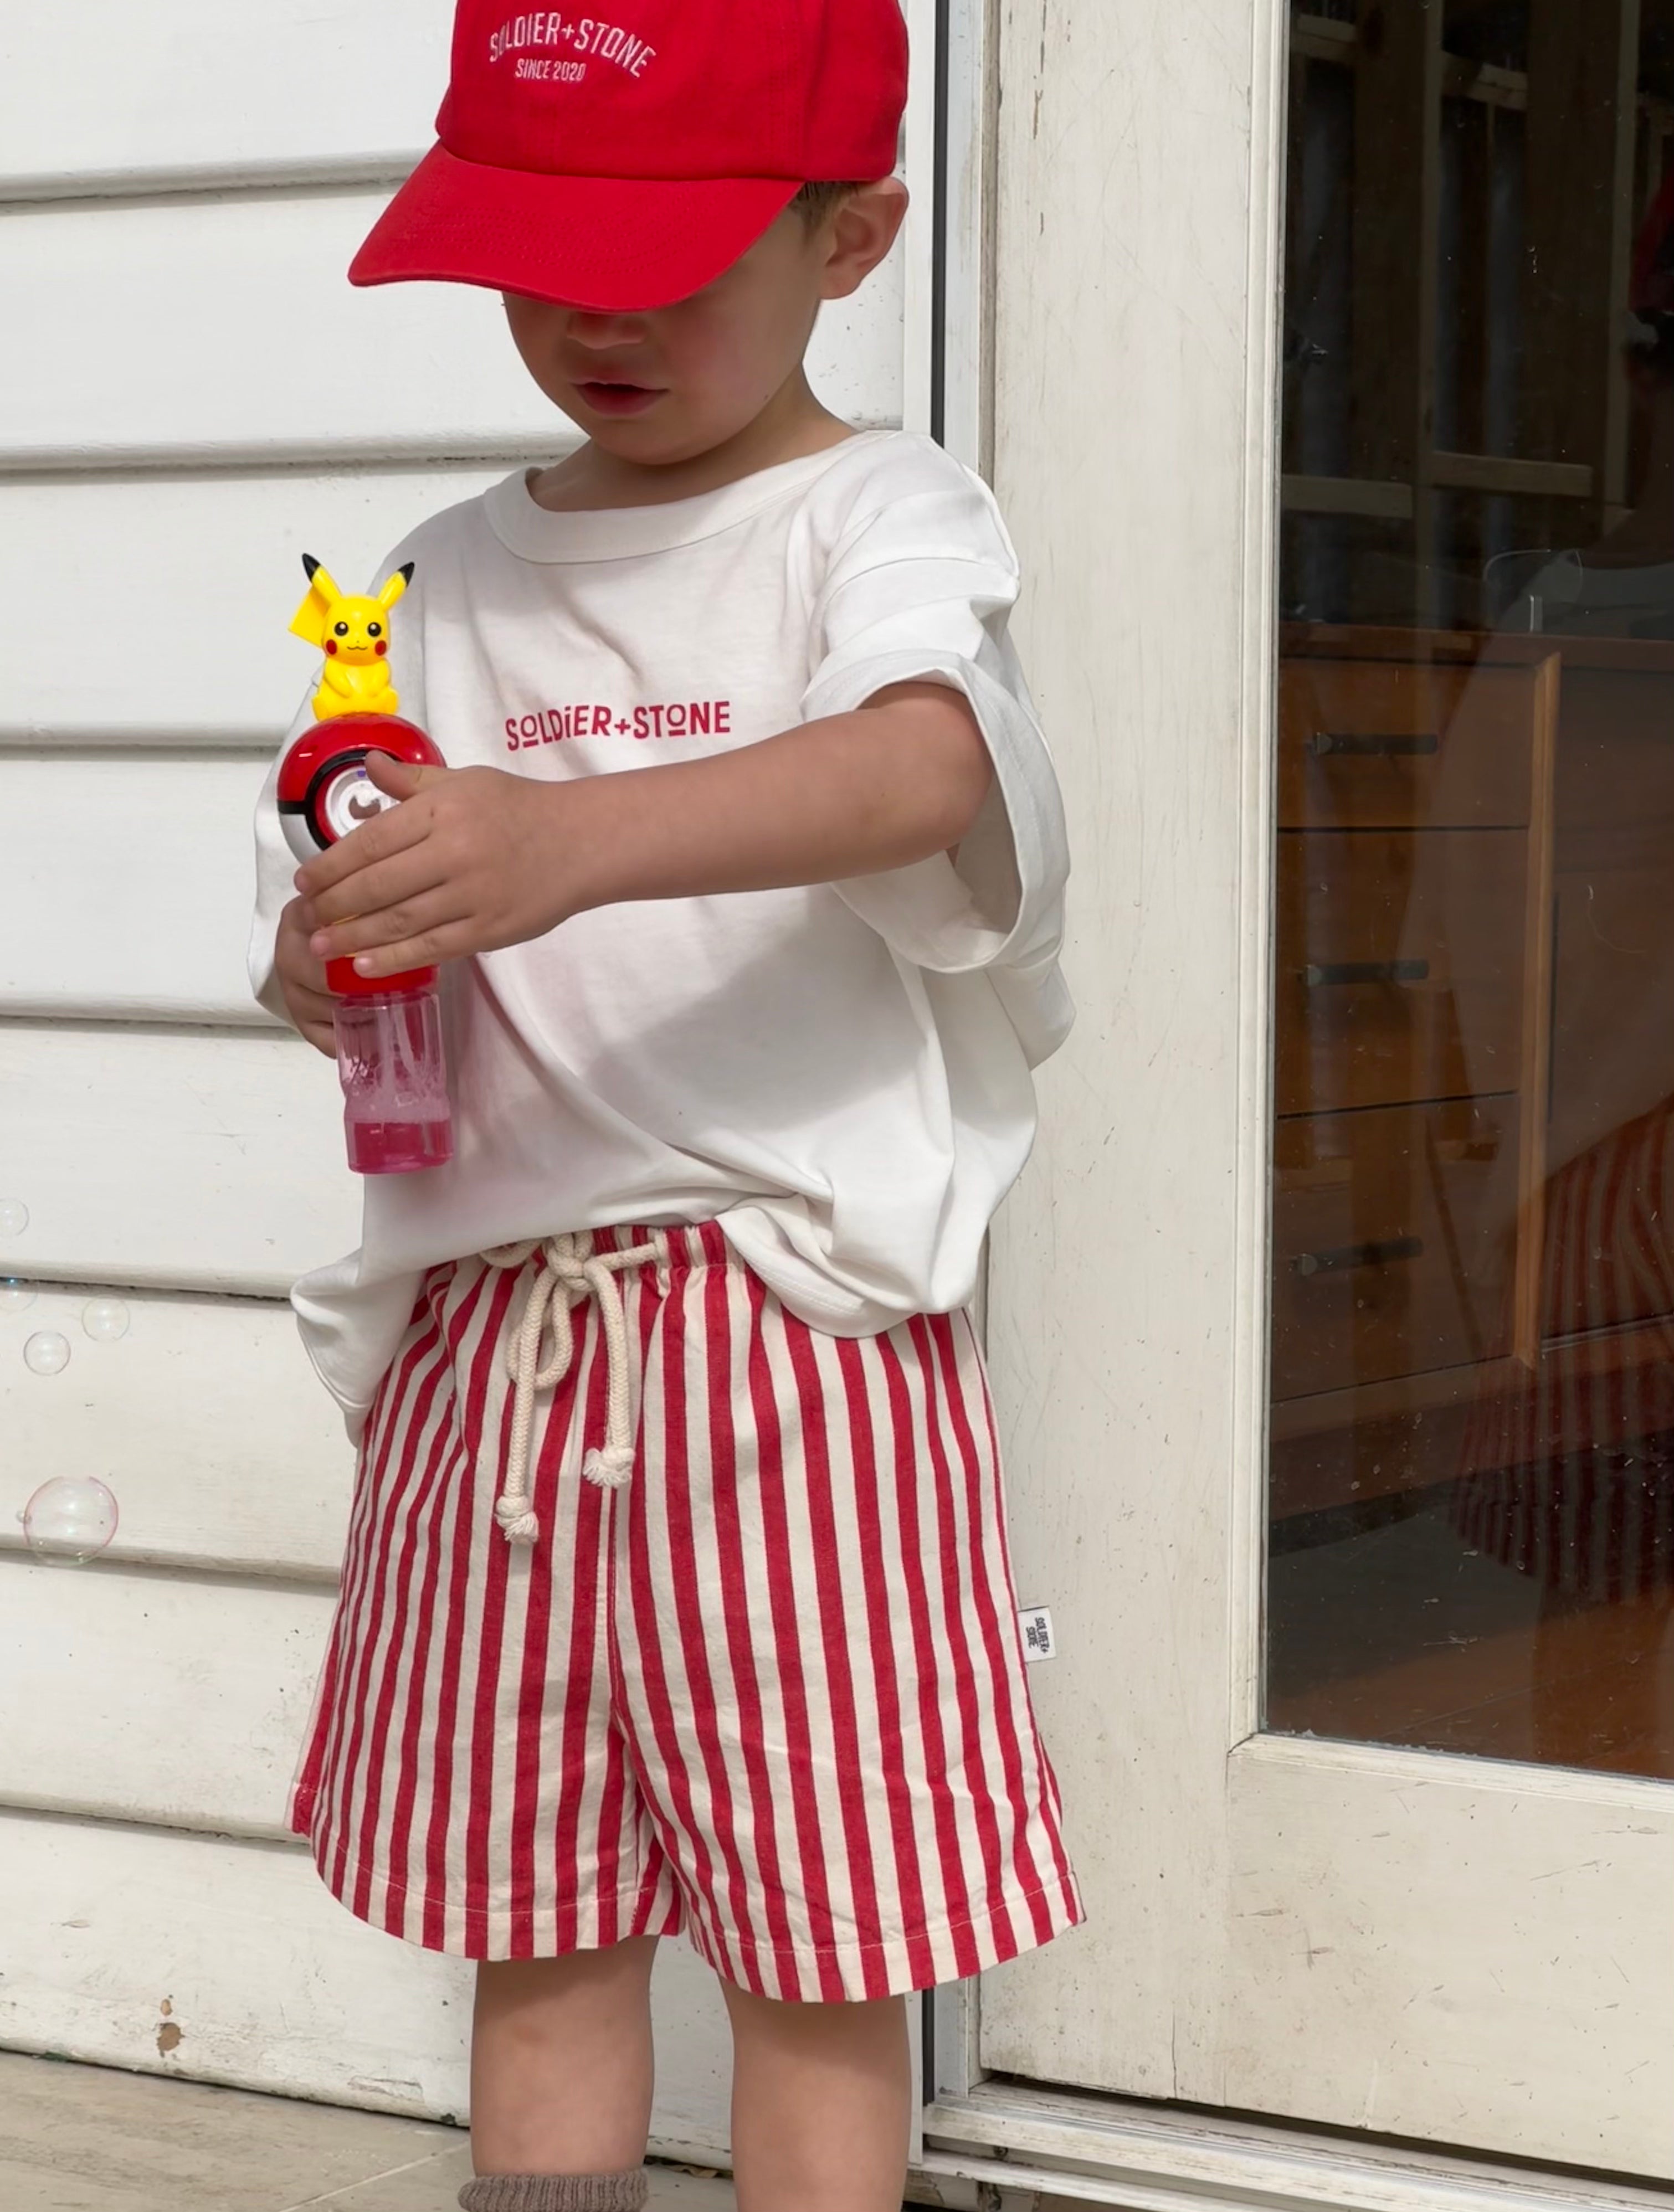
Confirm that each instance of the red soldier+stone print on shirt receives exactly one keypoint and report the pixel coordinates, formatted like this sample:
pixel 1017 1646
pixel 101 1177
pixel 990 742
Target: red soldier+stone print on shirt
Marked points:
pixel 676 718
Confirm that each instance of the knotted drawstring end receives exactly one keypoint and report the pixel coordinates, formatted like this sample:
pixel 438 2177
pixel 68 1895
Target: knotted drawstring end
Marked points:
pixel 611 1468
pixel 517 1524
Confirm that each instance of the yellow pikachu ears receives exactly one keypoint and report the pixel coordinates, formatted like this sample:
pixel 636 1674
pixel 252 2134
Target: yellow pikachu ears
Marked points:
pixel 312 619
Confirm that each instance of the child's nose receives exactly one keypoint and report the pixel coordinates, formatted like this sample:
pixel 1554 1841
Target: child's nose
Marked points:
pixel 599 332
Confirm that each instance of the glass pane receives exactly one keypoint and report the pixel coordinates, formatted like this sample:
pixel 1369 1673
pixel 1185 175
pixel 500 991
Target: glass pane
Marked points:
pixel 1472 1427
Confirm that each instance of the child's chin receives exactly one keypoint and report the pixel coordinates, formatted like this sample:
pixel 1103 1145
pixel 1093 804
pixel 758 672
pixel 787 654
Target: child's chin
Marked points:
pixel 651 441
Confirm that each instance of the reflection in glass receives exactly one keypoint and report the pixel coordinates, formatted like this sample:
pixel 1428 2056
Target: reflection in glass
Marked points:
pixel 1472 1439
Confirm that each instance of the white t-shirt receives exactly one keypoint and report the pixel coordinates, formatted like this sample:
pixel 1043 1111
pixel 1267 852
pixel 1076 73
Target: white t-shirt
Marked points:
pixel 840 1074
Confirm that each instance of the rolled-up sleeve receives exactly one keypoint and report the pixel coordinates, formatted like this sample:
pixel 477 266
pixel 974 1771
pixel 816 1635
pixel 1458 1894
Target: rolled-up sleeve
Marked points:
pixel 919 588
pixel 920 591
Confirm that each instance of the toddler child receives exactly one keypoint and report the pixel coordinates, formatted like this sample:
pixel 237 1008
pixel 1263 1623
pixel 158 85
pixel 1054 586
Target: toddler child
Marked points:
pixel 676 1594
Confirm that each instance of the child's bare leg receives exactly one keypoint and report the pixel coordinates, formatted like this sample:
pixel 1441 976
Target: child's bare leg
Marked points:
pixel 822 2104
pixel 560 2061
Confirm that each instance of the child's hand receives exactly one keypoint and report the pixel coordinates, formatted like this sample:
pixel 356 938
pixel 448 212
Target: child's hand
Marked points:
pixel 466 864
pixel 302 980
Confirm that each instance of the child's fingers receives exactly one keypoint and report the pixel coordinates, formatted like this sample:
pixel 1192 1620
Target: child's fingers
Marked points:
pixel 379 884
pixel 396 831
pixel 399 779
pixel 404 920
pixel 299 969
pixel 312 1011
pixel 321 1035
pixel 295 925
pixel 426 948
pixel 306 995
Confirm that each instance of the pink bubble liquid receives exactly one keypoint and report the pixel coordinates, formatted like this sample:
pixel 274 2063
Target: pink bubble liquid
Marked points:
pixel 390 1061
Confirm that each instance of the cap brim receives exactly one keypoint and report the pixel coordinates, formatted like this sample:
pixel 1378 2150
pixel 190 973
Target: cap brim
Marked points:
pixel 611 244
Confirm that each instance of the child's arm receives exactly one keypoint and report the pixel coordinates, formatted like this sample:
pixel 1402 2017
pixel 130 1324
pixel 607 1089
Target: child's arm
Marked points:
pixel 477 858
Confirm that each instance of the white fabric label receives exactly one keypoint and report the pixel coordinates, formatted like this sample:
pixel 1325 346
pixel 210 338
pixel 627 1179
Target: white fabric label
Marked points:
pixel 1038 1641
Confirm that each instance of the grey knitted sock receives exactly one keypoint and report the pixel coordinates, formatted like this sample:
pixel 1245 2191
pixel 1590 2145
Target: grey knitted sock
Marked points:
pixel 556 2192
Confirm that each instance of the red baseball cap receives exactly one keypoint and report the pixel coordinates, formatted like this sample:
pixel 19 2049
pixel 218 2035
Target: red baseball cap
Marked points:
pixel 625 161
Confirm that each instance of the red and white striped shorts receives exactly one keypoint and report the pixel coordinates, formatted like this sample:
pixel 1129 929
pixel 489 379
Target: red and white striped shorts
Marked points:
pixel 769 1692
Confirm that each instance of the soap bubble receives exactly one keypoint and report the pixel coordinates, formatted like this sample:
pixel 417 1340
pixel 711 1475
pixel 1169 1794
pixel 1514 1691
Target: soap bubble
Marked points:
pixel 46 1352
pixel 15 1295
pixel 72 1517
pixel 14 1217
pixel 105 1319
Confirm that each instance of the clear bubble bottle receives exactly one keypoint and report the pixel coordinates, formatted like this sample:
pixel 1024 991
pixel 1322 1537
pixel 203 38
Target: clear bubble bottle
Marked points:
pixel 389 1043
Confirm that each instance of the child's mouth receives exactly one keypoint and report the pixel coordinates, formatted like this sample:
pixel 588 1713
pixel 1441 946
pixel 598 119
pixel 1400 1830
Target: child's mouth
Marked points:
pixel 605 398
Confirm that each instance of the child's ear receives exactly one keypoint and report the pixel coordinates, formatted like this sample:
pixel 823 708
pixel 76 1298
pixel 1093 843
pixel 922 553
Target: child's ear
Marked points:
pixel 396 584
pixel 862 231
pixel 309 621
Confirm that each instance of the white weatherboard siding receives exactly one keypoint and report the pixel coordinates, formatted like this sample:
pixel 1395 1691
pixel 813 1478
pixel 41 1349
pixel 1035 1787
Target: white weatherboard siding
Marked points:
pixel 107 96
pixel 153 606
pixel 181 1159
pixel 231 1456
pixel 191 396
pixel 265 1979
pixel 180 952
pixel 219 328
pixel 229 1660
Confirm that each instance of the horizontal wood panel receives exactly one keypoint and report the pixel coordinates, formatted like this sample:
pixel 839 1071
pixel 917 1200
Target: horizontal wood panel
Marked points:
pixel 185 1697
pixel 226 328
pixel 128 887
pixel 206 1420
pixel 106 91
pixel 186 1159
pixel 95 573
pixel 272 1985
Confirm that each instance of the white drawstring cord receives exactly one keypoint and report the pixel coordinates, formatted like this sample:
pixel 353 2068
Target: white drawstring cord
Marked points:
pixel 573 1271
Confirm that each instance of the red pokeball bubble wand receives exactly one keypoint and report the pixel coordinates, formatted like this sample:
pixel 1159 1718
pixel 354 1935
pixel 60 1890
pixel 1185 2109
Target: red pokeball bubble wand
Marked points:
pixel 396 1114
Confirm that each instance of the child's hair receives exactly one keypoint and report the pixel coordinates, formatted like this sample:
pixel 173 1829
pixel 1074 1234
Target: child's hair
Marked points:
pixel 815 202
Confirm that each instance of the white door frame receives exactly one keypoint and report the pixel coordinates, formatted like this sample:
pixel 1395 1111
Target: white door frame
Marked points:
pixel 1136 203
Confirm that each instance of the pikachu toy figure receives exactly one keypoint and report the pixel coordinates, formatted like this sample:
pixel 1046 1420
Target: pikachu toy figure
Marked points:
pixel 353 632
pixel 391 1058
